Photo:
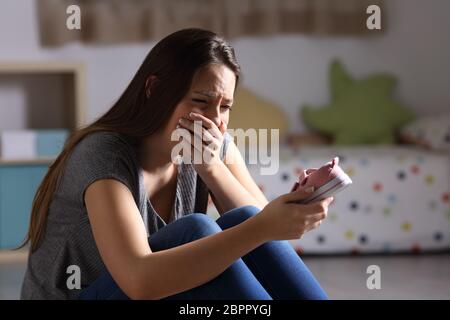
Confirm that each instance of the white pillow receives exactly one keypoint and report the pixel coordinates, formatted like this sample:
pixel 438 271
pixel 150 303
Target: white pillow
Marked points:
pixel 431 131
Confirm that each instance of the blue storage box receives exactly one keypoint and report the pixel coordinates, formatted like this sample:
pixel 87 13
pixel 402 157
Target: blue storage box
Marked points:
pixel 50 142
pixel 18 185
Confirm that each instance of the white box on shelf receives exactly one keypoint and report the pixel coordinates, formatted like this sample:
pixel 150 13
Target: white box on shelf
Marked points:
pixel 13 107
pixel 18 144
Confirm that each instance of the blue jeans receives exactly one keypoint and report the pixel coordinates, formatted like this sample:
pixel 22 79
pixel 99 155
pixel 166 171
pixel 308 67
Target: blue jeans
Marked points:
pixel 271 271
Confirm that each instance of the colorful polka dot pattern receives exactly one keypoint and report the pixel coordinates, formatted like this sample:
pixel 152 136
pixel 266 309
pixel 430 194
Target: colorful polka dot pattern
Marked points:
pixel 399 200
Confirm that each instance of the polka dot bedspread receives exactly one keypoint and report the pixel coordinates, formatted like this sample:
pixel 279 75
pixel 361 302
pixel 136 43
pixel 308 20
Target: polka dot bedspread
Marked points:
pixel 399 200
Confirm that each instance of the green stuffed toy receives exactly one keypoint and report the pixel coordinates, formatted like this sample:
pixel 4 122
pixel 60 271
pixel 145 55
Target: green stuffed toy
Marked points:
pixel 361 111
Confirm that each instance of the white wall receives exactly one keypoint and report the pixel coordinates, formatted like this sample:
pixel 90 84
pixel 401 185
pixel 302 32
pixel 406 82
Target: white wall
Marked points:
pixel 290 70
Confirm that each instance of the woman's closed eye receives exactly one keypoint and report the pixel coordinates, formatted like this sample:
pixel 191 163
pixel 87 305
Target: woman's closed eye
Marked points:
pixel 199 101
pixel 205 102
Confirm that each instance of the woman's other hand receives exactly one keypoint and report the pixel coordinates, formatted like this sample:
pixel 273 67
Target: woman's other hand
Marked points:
pixel 283 219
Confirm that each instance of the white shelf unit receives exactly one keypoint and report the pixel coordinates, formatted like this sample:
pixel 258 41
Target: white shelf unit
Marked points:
pixel 33 95
pixel 54 97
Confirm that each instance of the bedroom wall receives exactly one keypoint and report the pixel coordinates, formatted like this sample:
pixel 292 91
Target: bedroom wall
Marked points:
pixel 290 70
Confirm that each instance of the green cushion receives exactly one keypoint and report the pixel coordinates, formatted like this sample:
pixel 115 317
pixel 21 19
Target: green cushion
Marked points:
pixel 361 111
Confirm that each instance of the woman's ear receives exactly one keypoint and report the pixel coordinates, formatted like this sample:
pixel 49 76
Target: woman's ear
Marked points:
pixel 149 84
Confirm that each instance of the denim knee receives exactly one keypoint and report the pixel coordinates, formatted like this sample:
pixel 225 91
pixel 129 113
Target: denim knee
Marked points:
pixel 200 225
pixel 246 212
pixel 236 216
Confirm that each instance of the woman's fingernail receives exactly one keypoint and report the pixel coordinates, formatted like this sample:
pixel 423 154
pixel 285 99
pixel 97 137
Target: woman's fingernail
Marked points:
pixel 310 189
pixel 191 114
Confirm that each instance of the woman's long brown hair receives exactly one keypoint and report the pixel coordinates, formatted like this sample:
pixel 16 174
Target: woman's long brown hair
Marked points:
pixel 173 60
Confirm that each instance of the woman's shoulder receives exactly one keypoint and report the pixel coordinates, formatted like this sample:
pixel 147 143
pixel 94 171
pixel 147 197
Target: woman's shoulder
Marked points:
pixel 106 139
pixel 100 155
pixel 105 143
pixel 103 149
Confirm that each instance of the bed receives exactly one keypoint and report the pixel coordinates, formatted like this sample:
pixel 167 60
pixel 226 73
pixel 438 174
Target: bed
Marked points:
pixel 399 202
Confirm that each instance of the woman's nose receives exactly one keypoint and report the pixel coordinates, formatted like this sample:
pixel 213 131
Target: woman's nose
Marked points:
pixel 214 116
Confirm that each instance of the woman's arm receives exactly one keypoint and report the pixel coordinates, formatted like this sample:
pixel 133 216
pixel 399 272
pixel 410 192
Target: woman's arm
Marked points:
pixel 236 164
pixel 122 241
pixel 231 184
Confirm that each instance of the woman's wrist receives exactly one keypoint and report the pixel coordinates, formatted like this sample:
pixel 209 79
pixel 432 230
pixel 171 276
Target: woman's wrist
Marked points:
pixel 257 226
pixel 210 171
pixel 251 233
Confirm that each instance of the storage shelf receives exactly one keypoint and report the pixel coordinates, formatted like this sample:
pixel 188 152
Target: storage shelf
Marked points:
pixel 42 160
pixel 14 256
pixel 40 66
pixel 36 95
pixel 72 76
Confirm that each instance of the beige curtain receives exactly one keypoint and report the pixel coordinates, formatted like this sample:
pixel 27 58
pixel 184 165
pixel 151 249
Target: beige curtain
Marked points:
pixel 119 21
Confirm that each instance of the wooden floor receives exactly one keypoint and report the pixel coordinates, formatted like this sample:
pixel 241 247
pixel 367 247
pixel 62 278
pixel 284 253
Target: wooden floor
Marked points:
pixel 343 277
pixel 406 277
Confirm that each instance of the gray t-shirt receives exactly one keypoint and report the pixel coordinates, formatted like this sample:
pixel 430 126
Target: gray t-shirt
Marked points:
pixel 68 238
